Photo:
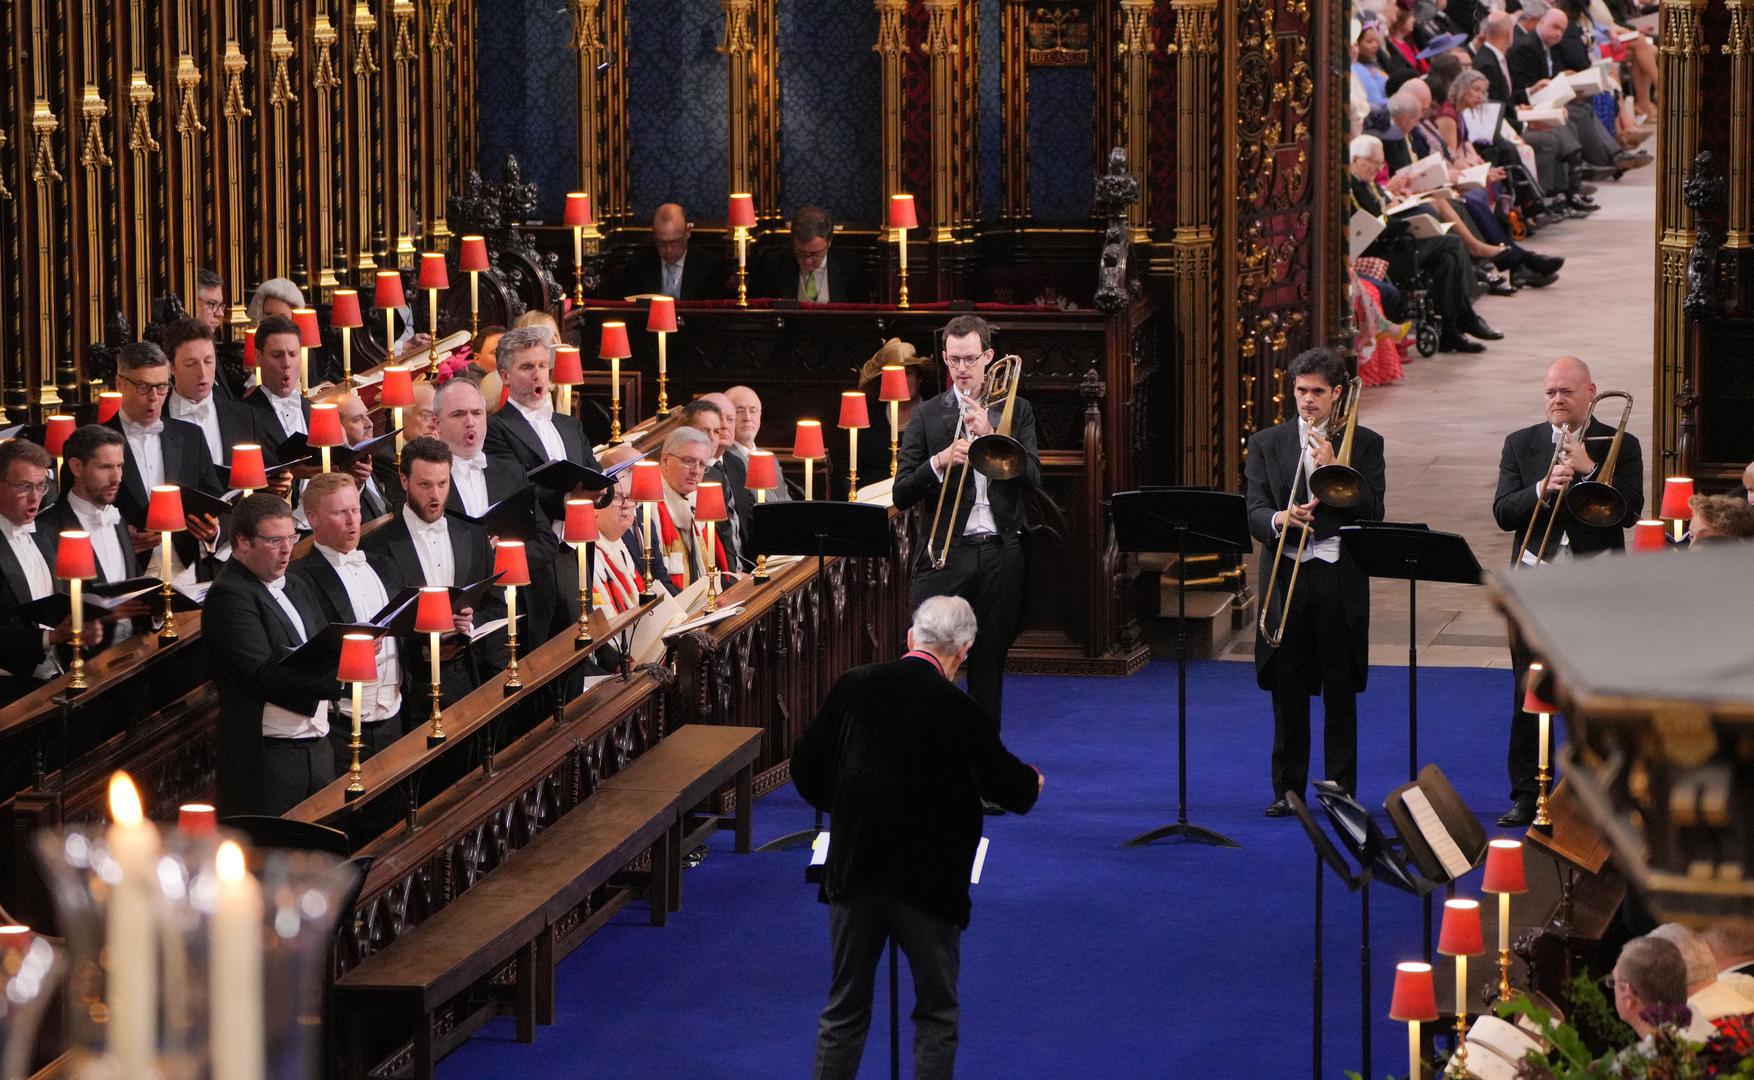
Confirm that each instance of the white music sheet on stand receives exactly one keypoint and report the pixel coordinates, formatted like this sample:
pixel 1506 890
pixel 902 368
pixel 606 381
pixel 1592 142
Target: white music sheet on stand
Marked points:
pixel 819 855
pixel 1442 844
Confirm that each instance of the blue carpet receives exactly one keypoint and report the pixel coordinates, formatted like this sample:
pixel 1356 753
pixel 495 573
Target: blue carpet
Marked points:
pixel 1083 959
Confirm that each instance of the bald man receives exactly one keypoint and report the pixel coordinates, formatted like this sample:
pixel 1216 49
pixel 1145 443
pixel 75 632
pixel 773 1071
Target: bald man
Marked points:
pixel 672 265
pixel 1526 491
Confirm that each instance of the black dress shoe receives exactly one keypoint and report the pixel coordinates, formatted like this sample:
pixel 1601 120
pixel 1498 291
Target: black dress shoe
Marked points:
pixel 1586 189
pixel 1499 285
pixel 1520 815
pixel 1578 202
pixel 1631 159
pixel 1476 327
pixel 1528 278
pixel 1459 344
pixel 1281 808
pixel 1543 264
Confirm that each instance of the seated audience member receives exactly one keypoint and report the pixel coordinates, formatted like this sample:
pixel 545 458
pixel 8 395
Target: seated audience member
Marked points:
pixel 159 451
pixel 352 586
pixel 806 270
pixel 746 415
pixel 27 563
pixel 617 579
pixel 1533 66
pixel 94 457
pixel 1587 42
pixel 538 318
pixel 373 474
pixel 1720 519
pixel 209 301
pixel 274 717
pixel 1707 999
pixel 448 551
pixel 730 471
pixel 1367 66
pixel 1558 154
pixel 676 547
pixel 276 296
pixel 1732 953
pixel 195 395
pixel 1400 48
pixel 1442 258
pixel 1746 490
pixel 1650 990
pixel 1639 54
pixel 671 265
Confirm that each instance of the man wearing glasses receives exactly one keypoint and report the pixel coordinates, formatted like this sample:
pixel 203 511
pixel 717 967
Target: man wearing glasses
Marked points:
pixel 985 563
pixel 159 450
pixel 670 266
pixel 679 538
pixel 273 716
pixel 27 559
pixel 616 579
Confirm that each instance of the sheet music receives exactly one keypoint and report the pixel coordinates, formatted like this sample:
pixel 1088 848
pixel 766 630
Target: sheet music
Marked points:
pixel 819 855
pixel 1483 120
pixel 704 620
pixel 1431 827
pixel 1363 231
pixel 880 493
pixel 980 860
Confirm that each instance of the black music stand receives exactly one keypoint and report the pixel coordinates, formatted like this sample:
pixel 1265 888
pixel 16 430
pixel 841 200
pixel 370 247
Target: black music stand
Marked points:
pixel 1326 855
pixel 818 528
pixel 1413 553
pixel 1186 521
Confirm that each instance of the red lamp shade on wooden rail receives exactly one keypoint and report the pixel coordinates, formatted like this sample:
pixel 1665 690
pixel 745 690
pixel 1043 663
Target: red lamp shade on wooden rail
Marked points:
pixel 432 271
pixel 109 403
pixel 741 214
pixel 1533 702
pixel 359 659
pixel 397 391
pixel 310 334
pixel 55 432
pixel 247 470
pixel 648 483
pixel 1415 996
pixel 1504 868
pixel 74 557
pixel 709 501
pixel 197 819
pixel 807 443
pixel 1461 934
pixel 1677 498
pixel 472 255
pixel 661 317
pixel 164 510
pixel 389 290
pixel 325 424
pixel 902 214
pixel 578 209
pixel 344 309
pixel 511 563
pixel 569 370
pixel 1649 535
pixel 894 384
pixel 581 521
pixel 854 412
pixel 613 344
pixel 764 471
pixel 432 612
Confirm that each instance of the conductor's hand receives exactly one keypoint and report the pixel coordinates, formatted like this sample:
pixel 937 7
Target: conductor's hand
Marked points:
pixel 954 454
pixel 1323 451
pixel 977 421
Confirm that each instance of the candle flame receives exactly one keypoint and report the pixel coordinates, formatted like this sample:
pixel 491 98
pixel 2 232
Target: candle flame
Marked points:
pixel 230 861
pixel 125 808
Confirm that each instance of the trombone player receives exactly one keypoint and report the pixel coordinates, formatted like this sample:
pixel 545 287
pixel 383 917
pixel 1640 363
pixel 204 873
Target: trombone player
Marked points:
pixel 980 539
pixel 1314 632
pixel 1539 466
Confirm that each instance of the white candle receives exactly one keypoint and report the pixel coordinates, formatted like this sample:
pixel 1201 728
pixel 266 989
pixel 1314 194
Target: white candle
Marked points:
pixel 395 422
pixel 474 294
pixel 358 707
pixel 304 369
pixel 578 246
pixel 902 244
pixel 347 353
pixel 511 612
pixel 615 383
pixel 712 541
pixel 75 607
pixel 742 250
pixel 164 551
pixel 131 936
pixel 432 313
pixel 236 989
pixel 852 452
pixel 809 472
pixel 1461 986
pixel 389 332
pixel 435 658
pixel 1503 922
pixel 663 361
pixel 1413 1048
pixel 1546 723
pixel 894 421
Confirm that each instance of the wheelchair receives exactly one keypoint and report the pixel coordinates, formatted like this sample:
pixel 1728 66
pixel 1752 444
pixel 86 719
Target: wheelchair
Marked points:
pixel 1402 255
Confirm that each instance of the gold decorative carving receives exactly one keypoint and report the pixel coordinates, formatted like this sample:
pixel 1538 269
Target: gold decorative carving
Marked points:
pixel 738 40
pixel 1196 27
pixel 1681 34
pixel 43 126
pixel 1740 40
pixel 891 27
pixel 403 49
pixel 92 110
pixel 1135 32
pixel 438 38
pixel 587 29
pixel 5 192
pixel 365 65
pixel 140 96
pixel 233 107
pixel 188 106
pixel 280 51
pixel 939 41
pixel 365 57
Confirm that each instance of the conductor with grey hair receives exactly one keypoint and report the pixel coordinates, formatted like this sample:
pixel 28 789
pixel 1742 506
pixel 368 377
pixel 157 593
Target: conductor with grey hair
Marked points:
pixel 902 759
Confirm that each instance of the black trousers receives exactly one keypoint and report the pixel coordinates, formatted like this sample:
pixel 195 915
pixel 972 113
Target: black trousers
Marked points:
pixel 374 736
pixel 988 573
pixel 1446 261
pixel 858 928
pixel 1315 647
pixel 293 770
pixel 1524 759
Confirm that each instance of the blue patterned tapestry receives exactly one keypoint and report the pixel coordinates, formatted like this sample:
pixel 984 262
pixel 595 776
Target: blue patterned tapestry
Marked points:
pixel 1061 166
pixel 527 92
pixel 831 111
pixel 676 108
pixel 991 41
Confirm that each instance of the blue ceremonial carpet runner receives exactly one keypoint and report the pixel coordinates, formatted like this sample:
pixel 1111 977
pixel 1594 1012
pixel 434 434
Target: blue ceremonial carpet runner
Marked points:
pixel 1084 958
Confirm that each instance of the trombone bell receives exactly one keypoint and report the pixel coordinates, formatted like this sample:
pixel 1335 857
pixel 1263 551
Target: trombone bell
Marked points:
pixel 1598 502
pixel 997 456
pixel 1337 485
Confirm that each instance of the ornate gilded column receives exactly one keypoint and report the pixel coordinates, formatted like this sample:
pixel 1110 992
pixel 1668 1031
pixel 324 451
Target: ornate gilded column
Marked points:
pixel 399 189
pixel 365 65
pixel 942 47
pixel 1740 49
pixel 440 43
pixel 1683 45
pixel 587 41
pixel 188 126
pixel 141 146
pixel 12 376
pixel 1134 49
pixel 281 99
pixel 96 162
pixel 1014 83
pixel 738 47
pixel 324 83
pixel 1192 246
pixel 44 176
pixel 234 110
pixel 891 47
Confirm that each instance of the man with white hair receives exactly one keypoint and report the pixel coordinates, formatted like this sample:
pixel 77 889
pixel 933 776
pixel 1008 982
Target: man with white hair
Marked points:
pixel 1732 952
pixel 902 759
pixel 678 539
pixel 1707 998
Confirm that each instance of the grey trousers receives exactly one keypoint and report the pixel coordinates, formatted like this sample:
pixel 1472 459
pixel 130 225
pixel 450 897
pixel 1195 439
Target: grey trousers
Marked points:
pixel 1599 147
pixel 858 928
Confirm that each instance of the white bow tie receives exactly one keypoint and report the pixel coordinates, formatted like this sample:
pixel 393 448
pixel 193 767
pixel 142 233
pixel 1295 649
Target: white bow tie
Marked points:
pixel 193 411
pixel 277 586
pixel 154 428
pixel 355 557
pixel 479 461
pixel 108 517
pixel 543 411
pixel 431 528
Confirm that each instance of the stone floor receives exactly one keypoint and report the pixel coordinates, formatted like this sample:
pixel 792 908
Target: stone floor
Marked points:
pixel 1444 423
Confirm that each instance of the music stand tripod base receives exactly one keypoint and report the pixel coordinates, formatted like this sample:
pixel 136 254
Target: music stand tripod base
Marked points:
pixel 793 840
pixel 1192 833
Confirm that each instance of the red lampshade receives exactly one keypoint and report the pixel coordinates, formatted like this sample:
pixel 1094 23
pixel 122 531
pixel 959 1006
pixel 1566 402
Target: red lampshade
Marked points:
pixel 247 470
pixel 901 212
pixel 1415 993
pixel 709 501
pixel 74 557
pixel 359 659
pixel 473 254
pixel 808 442
pixel 511 563
pixel 894 384
pixel 55 432
pixel 250 343
pixel 578 208
pixel 1649 535
pixel 1677 492
pixel 432 271
pixel 569 370
pixel 432 613
pixel 15 939
pixel 397 392
pixel 109 403
pixel 581 521
pixel 310 335
pixel 613 343
pixel 742 212
pixel 344 309
pixel 662 315
pixel 325 425
pixel 1504 867
pixel 164 510
pixel 648 483
pixel 1461 935
pixel 197 819
pixel 764 471
pixel 389 290
pixel 1532 701
pixel 853 410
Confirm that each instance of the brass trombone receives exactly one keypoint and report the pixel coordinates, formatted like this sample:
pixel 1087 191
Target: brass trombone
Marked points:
pixel 1337 484
pixel 995 455
pixel 1603 507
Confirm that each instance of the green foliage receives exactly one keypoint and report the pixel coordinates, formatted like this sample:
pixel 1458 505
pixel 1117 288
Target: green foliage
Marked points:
pixel 1595 1018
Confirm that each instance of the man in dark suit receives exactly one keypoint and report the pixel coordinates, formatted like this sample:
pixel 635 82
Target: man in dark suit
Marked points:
pixel 93 454
pixel 352 586
pixel 160 451
pixel 902 759
pixel 528 432
pixel 373 474
pixel 673 266
pixel 279 404
pixel 1526 491
pixel 986 561
pixel 804 269
pixel 27 564
pixel 1325 647
pixel 435 548
pixel 1533 65
pixel 274 718
pixel 715 417
pixel 195 395
pixel 1558 154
